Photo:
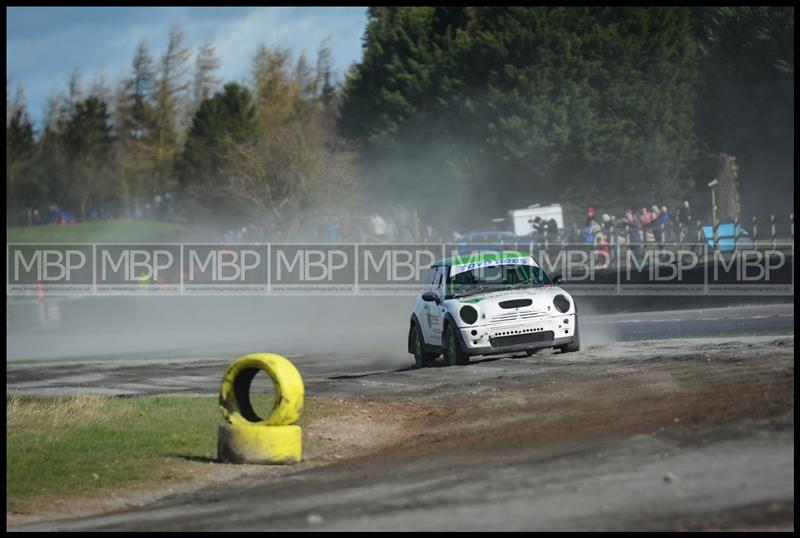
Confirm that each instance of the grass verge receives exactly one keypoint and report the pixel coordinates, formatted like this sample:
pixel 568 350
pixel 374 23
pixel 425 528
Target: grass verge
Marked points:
pixel 85 445
pixel 112 231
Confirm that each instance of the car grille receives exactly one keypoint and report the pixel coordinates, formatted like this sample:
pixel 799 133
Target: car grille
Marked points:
pixel 514 316
pixel 525 338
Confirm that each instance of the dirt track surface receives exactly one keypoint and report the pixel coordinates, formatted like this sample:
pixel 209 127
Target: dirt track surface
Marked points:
pixel 673 435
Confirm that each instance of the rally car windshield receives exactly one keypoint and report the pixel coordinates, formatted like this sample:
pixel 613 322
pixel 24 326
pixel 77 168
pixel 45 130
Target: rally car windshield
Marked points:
pixel 495 278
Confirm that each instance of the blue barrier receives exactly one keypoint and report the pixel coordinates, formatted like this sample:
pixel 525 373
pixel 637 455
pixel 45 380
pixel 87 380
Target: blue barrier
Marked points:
pixel 726 240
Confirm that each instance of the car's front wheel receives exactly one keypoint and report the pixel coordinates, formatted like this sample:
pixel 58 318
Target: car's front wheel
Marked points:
pixel 453 354
pixel 421 358
pixel 575 345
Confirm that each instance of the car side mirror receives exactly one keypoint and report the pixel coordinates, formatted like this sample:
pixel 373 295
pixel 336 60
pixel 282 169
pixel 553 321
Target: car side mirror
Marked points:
pixel 556 279
pixel 429 296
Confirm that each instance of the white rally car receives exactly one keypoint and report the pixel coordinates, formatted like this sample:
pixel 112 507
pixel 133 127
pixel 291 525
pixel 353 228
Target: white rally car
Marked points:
pixel 490 304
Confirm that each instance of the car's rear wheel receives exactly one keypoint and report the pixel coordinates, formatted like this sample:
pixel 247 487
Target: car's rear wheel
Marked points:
pixel 421 358
pixel 453 354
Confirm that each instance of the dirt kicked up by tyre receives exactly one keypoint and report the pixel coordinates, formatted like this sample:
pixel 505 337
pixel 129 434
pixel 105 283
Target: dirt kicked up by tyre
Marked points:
pixel 489 304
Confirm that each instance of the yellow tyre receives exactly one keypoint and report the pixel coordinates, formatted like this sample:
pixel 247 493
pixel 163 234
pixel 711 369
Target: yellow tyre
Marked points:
pixel 234 395
pixel 255 443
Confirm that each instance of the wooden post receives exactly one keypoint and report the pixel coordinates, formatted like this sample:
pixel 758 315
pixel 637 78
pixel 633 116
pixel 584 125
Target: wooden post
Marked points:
pixel 628 234
pixel 772 229
pixel 715 230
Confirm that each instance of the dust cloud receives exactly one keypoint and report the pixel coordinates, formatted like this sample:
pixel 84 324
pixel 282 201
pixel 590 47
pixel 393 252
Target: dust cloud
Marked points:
pixel 374 327
pixel 211 326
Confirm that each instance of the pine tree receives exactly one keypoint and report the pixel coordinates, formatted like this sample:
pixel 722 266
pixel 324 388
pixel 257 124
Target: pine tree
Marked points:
pixel 205 81
pixel 134 109
pixel 87 140
pixel 133 150
pixel 224 120
pixel 170 87
pixel 21 188
pixel 276 93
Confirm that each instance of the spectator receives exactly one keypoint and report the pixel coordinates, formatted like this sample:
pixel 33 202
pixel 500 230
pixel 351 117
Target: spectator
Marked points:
pixel 574 236
pixel 169 207
pixel 157 205
pixel 590 231
pixel 644 217
pixel 589 216
pixel 634 227
pixel 552 228
pixel 654 214
pixel 605 224
pixel 669 225
pixel 333 229
pixel 460 241
pixel 53 215
pixel 431 235
pixel 536 228
pixel 66 217
pixel 685 214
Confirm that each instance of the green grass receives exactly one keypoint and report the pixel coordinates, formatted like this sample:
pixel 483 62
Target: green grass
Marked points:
pixel 86 445
pixel 112 231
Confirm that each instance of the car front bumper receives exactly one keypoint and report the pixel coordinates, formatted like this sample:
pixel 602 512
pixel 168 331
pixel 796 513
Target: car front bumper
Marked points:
pixel 550 331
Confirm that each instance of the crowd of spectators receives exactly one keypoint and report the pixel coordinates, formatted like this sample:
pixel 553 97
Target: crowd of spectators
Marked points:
pixel 653 225
pixel 161 208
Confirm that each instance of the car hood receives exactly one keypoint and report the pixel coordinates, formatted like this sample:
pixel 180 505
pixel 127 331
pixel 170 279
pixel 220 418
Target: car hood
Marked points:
pixel 541 300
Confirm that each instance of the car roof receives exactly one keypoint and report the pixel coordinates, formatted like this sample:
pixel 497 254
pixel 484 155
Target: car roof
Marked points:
pixel 480 257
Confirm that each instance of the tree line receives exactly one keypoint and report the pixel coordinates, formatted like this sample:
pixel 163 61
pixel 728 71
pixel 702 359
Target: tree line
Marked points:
pixel 456 111
pixel 493 107
pixel 261 150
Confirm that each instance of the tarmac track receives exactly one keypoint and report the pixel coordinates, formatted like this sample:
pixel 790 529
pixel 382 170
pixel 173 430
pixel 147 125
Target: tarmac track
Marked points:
pixel 664 420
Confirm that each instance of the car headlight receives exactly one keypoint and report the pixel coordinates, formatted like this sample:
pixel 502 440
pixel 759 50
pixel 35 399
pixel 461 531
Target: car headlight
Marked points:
pixel 561 303
pixel 468 314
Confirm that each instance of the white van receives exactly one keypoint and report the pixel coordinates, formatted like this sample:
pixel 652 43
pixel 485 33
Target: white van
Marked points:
pixel 521 218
